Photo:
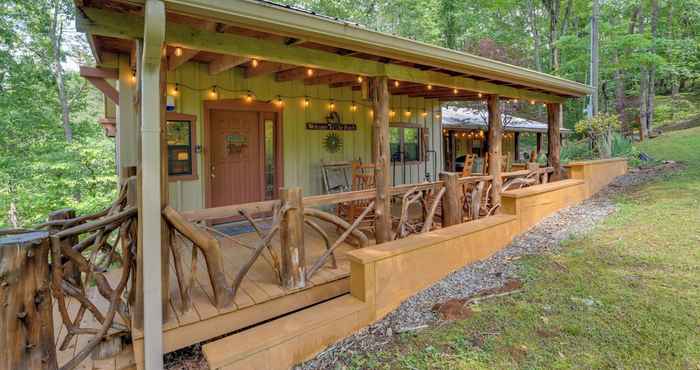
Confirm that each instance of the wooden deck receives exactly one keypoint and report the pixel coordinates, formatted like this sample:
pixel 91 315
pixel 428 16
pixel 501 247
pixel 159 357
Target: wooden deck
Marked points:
pixel 261 298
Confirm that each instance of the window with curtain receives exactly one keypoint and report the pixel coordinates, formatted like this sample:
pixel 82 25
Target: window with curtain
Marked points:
pixel 180 139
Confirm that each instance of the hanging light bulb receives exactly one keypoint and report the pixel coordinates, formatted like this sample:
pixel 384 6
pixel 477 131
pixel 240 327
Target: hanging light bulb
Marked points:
pixel 178 52
pixel 248 97
pixel 392 113
pixel 455 91
pixel 437 115
pixel 359 79
pixel 532 102
pixel 430 87
pixel 309 72
pixel 279 102
pixel 353 107
pixel 331 105
pixel 515 101
pixel 133 75
pixel 481 133
pixel 396 83
pixel 371 112
pixel 254 63
pixel 424 113
pixel 213 93
pixel 307 102
pixel 176 90
pixel 407 113
pixel 480 95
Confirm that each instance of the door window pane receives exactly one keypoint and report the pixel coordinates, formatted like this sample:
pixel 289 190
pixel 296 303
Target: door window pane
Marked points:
pixel 411 144
pixel 269 159
pixel 179 139
pixel 395 143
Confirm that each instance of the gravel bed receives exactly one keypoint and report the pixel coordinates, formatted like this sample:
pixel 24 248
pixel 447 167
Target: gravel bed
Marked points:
pixel 416 312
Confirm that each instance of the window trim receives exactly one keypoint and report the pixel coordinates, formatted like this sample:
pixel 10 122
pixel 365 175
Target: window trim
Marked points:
pixel 421 139
pixel 174 116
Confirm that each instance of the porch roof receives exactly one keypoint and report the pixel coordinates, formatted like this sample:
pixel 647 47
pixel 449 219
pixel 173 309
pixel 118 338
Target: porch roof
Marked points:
pixel 301 38
pixel 474 119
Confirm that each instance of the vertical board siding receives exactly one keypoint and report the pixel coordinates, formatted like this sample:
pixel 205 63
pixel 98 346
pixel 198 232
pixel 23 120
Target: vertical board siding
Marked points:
pixel 303 149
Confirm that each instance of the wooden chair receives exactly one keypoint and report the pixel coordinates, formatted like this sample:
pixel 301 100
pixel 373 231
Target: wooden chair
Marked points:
pixel 362 179
pixel 336 176
pixel 468 164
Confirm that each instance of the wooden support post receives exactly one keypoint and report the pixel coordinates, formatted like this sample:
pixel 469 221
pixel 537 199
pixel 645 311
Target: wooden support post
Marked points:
pixel 494 137
pixel 553 138
pixel 379 91
pixel 516 145
pixel 451 206
pixel 150 220
pixel 539 146
pixel 26 312
pixel 70 269
pixel 292 239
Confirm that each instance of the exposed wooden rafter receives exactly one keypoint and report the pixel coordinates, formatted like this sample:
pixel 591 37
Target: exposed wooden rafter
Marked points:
pixel 98 77
pixel 175 60
pixel 265 67
pixel 225 62
pixel 300 73
pixel 330 79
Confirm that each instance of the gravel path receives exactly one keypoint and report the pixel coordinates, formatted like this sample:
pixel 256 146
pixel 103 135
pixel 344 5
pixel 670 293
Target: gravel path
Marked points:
pixel 416 312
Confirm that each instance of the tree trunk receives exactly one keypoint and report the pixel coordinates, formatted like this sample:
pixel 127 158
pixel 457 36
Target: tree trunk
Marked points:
pixel 292 239
pixel 652 70
pixel 554 138
pixel 379 87
pixel 56 38
pixel 643 91
pixel 620 98
pixel 494 136
pixel 553 10
pixel 535 34
pixel 26 338
pixel 594 58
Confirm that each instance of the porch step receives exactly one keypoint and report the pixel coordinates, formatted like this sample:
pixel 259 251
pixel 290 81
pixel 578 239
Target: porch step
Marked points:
pixel 289 340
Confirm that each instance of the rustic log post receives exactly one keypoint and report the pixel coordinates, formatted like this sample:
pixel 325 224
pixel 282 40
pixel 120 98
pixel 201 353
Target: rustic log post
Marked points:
pixel 540 141
pixel 292 239
pixel 495 135
pixel 379 90
pixel 553 138
pixel 516 145
pixel 26 311
pixel 451 206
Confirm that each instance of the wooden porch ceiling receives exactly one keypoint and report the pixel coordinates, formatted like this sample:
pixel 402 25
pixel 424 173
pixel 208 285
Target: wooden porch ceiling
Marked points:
pixel 428 81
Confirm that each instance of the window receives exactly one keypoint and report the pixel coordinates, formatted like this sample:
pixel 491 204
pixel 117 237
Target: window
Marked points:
pixel 269 159
pixel 180 136
pixel 405 143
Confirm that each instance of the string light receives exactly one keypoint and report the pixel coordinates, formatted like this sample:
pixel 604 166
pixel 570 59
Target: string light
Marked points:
pixel 213 93
pixel 396 83
pixel 178 52
pixel 392 113
pixel 424 113
pixel 480 95
pixel 279 102
pixel 307 102
pixel 309 72
pixel 176 90
pixel 430 87
pixel 455 91
pixel 437 115
pixel 359 79
pixel 353 107
pixel 407 113
pixel 248 96
pixel 133 75
pixel 532 102
pixel 254 63
pixel 515 101
pixel 331 105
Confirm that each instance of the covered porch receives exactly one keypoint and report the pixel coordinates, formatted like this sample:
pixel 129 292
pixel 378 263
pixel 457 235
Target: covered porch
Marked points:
pixel 227 112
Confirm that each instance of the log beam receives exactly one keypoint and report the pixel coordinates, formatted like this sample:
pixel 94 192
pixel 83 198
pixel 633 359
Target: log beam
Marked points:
pixel 379 91
pixel 554 139
pixel 174 60
pixel 225 62
pixel 292 239
pixel 495 135
pixel 300 73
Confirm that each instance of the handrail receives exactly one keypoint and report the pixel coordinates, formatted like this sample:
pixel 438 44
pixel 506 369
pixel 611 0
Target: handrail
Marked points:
pixel 207 214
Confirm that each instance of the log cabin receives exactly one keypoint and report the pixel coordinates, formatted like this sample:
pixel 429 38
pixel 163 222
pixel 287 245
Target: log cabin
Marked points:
pixel 226 114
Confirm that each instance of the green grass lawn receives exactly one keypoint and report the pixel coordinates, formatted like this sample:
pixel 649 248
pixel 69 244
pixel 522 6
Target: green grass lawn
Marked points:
pixel 627 295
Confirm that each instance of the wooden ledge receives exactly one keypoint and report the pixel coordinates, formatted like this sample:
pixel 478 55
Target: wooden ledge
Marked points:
pixel 379 252
pixel 540 189
pixel 596 161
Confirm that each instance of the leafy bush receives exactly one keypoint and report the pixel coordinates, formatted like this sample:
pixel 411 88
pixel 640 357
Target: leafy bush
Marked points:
pixel 624 148
pixel 576 151
pixel 599 129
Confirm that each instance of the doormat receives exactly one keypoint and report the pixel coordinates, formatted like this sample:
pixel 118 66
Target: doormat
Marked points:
pixel 243 227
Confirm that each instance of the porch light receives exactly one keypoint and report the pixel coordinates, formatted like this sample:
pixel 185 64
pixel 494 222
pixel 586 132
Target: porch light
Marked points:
pixel 515 101
pixel 424 113
pixel 359 79
pixel 254 63
pixel 178 52
pixel 455 91
pixel 407 113
pixel 437 115
pixel 331 105
pixel 309 72
pixel 307 102
pixel 480 95
pixel 392 113
pixel 430 87
pixel 133 75
pixel 353 107
pixel 396 83
pixel 213 93
pixel 278 101
pixel 532 102
pixel 248 97
pixel 176 90
pixel 481 133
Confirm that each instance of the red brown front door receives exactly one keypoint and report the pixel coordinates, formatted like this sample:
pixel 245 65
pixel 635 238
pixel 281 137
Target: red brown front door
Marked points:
pixel 236 157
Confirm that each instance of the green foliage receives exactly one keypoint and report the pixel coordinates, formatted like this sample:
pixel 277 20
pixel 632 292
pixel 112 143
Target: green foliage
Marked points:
pixel 599 130
pixel 576 151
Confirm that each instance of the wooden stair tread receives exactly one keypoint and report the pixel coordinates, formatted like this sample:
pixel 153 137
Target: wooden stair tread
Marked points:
pixel 228 350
